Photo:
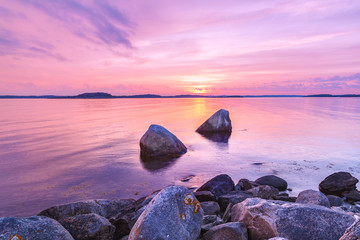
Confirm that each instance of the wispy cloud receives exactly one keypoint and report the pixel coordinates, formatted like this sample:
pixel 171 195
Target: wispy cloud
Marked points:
pixel 100 22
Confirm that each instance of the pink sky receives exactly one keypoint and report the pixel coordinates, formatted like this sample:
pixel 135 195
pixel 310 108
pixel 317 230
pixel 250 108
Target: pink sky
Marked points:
pixel 67 47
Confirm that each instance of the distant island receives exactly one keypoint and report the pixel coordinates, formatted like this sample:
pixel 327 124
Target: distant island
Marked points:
pixel 102 95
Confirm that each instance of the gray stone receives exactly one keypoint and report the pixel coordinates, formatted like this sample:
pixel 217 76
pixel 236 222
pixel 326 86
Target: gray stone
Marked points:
pixel 313 197
pixel 203 196
pixel 264 191
pixel 209 219
pixel 219 185
pixel 89 226
pixel 284 198
pixel 227 213
pixel 337 183
pixel 266 219
pixel 210 222
pixel 352 196
pixel 335 201
pixel 104 208
pixel 158 141
pixel 353 232
pixel 233 231
pixel 218 122
pixel 244 184
pixel 232 197
pixel 210 207
pixel 35 227
pixel 273 181
pixel 174 213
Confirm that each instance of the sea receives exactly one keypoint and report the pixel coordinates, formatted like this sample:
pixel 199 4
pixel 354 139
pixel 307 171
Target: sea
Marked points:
pixel 56 151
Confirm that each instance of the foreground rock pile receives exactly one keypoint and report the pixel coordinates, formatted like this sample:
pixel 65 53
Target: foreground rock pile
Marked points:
pixel 219 209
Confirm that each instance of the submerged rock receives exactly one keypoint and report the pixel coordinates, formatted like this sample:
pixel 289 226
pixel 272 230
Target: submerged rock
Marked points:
pixel 36 227
pixel 218 122
pixel 219 185
pixel 104 208
pixel 158 141
pixel 273 181
pixel 174 213
pixel 313 197
pixel 89 226
pixel 266 219
pixel 337 183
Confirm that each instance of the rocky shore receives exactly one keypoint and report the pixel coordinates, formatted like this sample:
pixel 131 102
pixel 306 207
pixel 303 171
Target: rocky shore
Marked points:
pixel 217 210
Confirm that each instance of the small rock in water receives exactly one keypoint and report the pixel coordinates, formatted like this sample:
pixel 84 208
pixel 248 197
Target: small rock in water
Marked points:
pixel 218 185
pixel 338 183
pixel 35 227
pixel 218 122
pixel 174 213
pixel 313 197
pixel 187 178
pixel 158 141
pixel 257 164
pixel 274 181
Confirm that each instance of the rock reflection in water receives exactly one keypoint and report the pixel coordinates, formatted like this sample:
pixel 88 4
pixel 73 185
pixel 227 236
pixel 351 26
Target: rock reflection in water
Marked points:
pixel 154 164
pixel 222 137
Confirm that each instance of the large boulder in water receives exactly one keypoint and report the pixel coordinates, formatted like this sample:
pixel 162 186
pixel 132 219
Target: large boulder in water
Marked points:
pixel 158 141
pixel 338 183
pixel 174 213
pixel 219 122
pixel 36 227
pixel 266 219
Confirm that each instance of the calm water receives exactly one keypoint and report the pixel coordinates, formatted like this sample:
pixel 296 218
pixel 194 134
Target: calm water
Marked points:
pixel 58 151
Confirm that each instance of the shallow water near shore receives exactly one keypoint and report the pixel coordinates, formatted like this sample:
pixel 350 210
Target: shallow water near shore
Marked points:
pixel 55 151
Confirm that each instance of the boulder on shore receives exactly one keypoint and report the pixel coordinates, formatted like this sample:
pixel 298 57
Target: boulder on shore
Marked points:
pixel 338 183
pixel 174 213
pixel 35 227
pixel 232 230
pixel 218 122
pixel 159 142
pixel 353 232
pixel 89 226
pixel 313 197
pixel 273 181
pixel 104 208
pixel 219 185
pixel 268 218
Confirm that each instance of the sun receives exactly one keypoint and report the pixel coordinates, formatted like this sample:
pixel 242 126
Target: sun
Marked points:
pixel 200 90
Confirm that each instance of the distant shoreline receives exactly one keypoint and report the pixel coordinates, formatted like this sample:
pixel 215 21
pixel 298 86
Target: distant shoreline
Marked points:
pixel 101 95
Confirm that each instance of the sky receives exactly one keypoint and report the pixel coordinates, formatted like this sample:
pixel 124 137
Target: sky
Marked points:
pixel 228 47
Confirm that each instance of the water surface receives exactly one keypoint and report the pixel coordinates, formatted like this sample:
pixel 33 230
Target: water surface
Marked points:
pixel 54 151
